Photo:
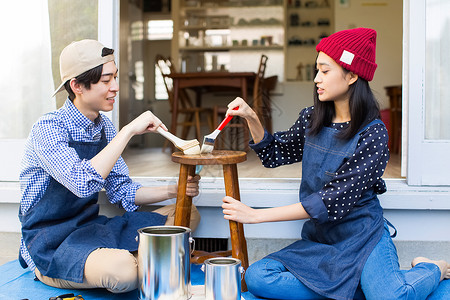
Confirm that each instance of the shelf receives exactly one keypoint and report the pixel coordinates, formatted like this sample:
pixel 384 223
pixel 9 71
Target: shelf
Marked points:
pixel 308 8
pixel 232 48
pixel 201 27
pixel 280 25
pixel 205 8
pixel 305 46
pixel 250 48
pixel 242 22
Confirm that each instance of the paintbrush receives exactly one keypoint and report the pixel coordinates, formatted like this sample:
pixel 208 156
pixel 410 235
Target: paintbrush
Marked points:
pixel 188 147
pixel 208 140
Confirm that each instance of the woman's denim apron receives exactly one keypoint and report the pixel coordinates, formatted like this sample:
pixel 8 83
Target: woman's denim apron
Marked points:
pixel 61 230
pixel 330 257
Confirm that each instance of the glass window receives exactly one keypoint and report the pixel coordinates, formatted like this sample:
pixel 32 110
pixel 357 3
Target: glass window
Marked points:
pixel 36 32
pixel 160 30
pixel 160 88
pixel 69 21
pixel 26 82
pixel 437 89
pixel 137 31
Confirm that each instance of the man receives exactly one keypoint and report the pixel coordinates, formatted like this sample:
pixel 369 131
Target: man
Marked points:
pixel 72 154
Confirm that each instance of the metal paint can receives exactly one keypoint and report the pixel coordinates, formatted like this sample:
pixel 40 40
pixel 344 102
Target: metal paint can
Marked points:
pixel 164 263
pixel 223 278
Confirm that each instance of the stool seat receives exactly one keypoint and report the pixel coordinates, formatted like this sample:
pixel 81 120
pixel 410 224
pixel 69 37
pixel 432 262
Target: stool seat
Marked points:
pixel 228 159
pixel 217 157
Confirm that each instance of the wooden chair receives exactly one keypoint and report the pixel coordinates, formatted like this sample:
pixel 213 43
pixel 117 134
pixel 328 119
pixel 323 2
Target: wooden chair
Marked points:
pixel 258 86
pixel 191 115
pixel 237 128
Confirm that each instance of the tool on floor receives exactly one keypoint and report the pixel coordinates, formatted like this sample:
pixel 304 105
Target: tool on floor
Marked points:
pixel 188 147
pixel 208 140
pixel 70 296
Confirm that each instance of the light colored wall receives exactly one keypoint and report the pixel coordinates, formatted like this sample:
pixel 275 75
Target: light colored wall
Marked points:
pixel 287 102
pixel 386 17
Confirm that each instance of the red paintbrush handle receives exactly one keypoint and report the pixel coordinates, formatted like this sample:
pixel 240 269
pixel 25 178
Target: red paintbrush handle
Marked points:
pixel 226 120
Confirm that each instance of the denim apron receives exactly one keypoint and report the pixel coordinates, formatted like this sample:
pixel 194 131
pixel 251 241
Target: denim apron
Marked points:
pixel 61 230
pixel 330 257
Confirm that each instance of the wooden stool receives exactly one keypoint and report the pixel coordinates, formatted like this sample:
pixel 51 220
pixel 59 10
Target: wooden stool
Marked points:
pixel 228 159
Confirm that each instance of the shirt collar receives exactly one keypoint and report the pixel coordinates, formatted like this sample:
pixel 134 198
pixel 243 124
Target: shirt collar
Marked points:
pixel 78 118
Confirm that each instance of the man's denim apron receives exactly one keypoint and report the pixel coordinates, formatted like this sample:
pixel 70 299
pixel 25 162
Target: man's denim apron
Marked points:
pixel 330 257
pixel 61 230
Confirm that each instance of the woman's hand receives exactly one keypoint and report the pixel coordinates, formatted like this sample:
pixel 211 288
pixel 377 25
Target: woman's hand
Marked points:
pixel 146 122
pixel 245 111
pixel 235 210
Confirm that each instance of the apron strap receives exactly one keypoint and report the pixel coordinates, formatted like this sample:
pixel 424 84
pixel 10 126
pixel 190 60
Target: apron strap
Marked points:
pixel 376 121
pixel 392 226
pixel 22 262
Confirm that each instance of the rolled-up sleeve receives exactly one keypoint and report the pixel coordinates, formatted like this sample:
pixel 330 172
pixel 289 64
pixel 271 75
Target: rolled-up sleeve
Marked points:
pixel 315 208
pixel 120 189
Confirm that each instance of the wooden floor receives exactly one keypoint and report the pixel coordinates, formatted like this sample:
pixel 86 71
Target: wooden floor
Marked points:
pixel 153 162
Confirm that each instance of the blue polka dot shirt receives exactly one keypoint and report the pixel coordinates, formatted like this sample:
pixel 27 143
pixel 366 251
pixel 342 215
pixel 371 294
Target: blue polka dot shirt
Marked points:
pixel 361 172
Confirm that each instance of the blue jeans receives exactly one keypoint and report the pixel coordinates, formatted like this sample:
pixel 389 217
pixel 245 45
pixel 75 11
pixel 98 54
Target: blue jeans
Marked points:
pixel 381 278
pixel 442 292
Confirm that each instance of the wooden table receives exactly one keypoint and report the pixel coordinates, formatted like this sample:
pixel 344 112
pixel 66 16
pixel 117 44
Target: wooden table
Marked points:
pixel 207 79
pixel 228 159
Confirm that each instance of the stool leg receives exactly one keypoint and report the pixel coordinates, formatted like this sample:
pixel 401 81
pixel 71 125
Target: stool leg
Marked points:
pixel 238 242
pixel 184 202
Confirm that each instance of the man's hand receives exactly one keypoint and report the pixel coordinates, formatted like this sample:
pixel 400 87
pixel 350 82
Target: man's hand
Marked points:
pixel 146 122
pixel 192 188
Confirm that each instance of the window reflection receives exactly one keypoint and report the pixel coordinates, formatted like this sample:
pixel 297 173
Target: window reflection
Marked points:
pixel 437 89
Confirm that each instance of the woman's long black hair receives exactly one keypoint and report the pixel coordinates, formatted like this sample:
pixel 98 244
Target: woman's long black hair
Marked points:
pixel 364 109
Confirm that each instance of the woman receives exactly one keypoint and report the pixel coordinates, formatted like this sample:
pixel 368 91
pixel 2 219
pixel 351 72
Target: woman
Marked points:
pixel 346 246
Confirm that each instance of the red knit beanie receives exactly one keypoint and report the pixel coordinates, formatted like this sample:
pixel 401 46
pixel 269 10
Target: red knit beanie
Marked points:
pixel 353 49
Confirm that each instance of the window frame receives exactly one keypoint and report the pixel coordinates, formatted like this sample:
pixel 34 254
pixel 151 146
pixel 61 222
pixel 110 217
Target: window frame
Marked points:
pixel 423 162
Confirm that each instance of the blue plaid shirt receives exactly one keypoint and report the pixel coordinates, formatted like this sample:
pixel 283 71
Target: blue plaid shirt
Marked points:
pixel 48 155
